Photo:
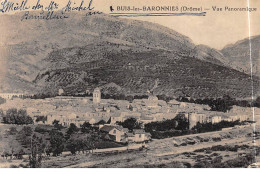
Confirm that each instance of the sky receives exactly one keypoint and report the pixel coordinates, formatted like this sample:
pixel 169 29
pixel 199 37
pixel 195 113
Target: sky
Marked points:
pixel 216 29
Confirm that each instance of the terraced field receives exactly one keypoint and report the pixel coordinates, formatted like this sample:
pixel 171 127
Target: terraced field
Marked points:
pixel 171 152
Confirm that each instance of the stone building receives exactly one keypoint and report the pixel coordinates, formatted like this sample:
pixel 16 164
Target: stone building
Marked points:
pixel 152 102
pixel 96 96
pixel 194 118
pixel 216 119
pixel 61 91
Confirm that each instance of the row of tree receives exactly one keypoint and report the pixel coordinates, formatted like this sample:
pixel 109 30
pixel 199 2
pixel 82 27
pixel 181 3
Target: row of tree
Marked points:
pixel 14 116
pixel 180 122
pixel 208 127
pixel 130 123
pixel 82 139
pixel 46 140
pixel 223 104
pixel 180 126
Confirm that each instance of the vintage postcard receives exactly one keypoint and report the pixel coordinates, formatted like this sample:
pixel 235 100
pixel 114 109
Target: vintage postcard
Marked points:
pixel 129 84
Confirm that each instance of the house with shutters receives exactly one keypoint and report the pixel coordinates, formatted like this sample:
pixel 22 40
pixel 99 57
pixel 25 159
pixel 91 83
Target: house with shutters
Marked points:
pixel 115 133
pixel 120 134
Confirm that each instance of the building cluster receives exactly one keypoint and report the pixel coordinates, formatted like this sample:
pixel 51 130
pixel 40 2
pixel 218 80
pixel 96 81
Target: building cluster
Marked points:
pixel 237 113
pixel 77 110
pixel 9 96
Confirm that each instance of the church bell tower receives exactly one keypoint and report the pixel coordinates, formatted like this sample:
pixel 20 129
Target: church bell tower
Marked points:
pixel 96 96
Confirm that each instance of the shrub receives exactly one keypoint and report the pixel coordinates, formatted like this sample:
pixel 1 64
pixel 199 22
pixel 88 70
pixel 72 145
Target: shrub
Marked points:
pixel 191 142
pixel 13 166
pixel 216 139
pixel 215 154
pixel 13 131
pixel 2 100
pixel 183 144
pixel 208 151
pixel 23 166
pixel 202 164
pixel 43 129
pixel 200 150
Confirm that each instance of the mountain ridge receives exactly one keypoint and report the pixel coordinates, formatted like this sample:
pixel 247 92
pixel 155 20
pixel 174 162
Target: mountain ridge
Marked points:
pixel 55 46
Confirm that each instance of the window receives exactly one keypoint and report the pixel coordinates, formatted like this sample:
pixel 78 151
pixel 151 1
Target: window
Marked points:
pixel 114 131
pixel 140 135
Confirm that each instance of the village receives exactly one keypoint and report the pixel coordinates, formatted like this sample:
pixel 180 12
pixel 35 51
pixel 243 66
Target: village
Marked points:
pixel 78 110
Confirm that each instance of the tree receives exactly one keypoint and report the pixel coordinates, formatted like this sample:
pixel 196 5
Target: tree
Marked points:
pixel 48 149
pixel 207 127
pixel 257 102
pixel 24 136
pixel 10 116
pixel 12 131
pixel 57 125
pixel 173 126
pixel 2 115
pixel 85 127
pixel 129 98
pixel 20 154
pixel 83 142
pixel 131 123
pixel 35 158
pixel 72 146
pixel 181 122
pixel 93 140
pixel 56 141
pixel 27 131
pixel 14 116
pixel 222 104
pixel 243 103
pixel 41 118
pixel 72 129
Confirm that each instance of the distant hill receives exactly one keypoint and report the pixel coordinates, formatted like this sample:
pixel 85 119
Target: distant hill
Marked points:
pixel 83 52
pixel 238 55
pixel 212 55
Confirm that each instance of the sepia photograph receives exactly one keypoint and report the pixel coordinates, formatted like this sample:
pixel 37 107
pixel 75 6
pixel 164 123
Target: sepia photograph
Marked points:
pixel 129 84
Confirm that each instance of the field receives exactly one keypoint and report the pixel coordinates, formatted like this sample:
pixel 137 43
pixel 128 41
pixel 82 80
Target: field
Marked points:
pixel 230 148
pixel 166 152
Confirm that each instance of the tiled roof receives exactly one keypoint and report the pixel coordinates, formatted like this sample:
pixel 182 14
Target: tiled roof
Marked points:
pixel 138 131
pixel 130 134
pixel 146 118
pixel 107 128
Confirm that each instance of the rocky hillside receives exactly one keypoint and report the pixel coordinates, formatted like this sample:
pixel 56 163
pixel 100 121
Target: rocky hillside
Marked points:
pixel 35 40
pixel 83 52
